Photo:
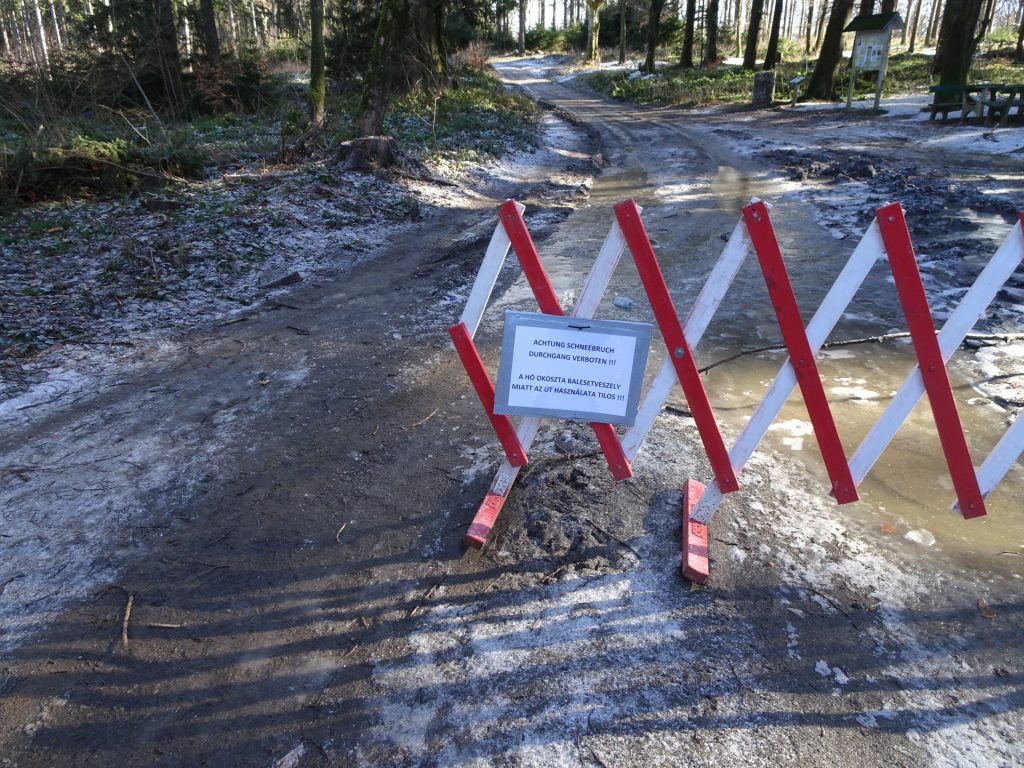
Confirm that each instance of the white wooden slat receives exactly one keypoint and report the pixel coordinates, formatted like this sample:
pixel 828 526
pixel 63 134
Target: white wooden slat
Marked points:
pixel 704 308
pixel 590 297
pixel 490 267
pixel 998 463
pixel 846 285
pixel 995 274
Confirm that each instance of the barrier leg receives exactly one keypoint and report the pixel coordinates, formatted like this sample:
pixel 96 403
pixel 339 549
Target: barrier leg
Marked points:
pixel 695 536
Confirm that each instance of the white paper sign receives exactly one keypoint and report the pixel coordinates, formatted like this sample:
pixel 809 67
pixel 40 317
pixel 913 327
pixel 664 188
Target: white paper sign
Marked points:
pixel 573 372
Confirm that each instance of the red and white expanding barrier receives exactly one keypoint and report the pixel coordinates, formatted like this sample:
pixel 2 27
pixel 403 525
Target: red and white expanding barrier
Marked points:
pixel 887 236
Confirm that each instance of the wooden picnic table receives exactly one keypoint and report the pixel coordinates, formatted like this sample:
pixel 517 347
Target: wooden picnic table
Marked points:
pixel 984 100
pixel 1000 101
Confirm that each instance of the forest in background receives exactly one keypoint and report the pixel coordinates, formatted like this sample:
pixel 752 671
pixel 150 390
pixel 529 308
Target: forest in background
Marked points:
pixel 99 86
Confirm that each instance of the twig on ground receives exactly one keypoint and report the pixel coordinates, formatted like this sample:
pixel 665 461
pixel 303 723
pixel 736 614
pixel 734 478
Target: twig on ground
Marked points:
pixel 282 305
pixel 550 575
pixel 127 618
pixel 162 625
pixel 1004 337
pixel 1011 554
pixel 337 536
pixel 431 415
pixel 430 594
pixel 611 535
pixel 598 758
pixel 676 411
pixel 487 588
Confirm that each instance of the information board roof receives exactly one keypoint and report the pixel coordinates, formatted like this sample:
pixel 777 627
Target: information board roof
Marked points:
pixel 879 22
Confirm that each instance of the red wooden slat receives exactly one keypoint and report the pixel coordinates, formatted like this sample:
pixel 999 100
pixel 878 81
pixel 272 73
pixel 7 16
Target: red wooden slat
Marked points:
pixel 484 520
pixel 695 536
pixel 484 387
pixel 903 263
pixel 679 351
pixel 780 289
pixel 529 259
pixel 547 299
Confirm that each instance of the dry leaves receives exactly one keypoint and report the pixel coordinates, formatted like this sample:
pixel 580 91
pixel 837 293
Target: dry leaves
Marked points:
pixel 984 610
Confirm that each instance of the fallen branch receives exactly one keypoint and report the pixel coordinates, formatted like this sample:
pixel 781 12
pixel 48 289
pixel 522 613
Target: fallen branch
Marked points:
pixel 161 625
pixel 127 618
pixel 1003 337
pixel 337 536
pixel 421 422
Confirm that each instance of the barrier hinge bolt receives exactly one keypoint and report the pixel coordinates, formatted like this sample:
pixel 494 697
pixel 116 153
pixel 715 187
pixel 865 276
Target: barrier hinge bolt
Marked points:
pixel 679 352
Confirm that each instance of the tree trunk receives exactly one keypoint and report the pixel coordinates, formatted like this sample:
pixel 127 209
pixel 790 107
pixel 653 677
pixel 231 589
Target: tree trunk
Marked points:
pixel 41 31
pixel 232 28
pixel 542 7
pixel 987 14
pixel 686 56
pixel 913 26
pixel 711 31
pixel 622 31
pixel 56 27
pixel 822 83
pixel 653 21
pixel 957 41
pixel 208 32
pixel 1020 36
pixel 819 36
pixel 807 30
pixel 933 22
pixel 867 7
pixel 170 61
pixel 255 25
pixel 888 6
pixel 317 59
pixel 377 85
pixel 772 54
pixel 594 29
pixel 522 27
pixel 750 52
pixel 738 27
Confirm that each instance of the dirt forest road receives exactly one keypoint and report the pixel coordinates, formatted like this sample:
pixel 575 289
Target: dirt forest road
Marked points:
pixel 261 565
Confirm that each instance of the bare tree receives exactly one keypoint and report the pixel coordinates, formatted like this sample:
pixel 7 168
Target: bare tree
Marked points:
pixel 522 27
pixel 772 54
pixel 711 33
pixel 653 22
pixel 753 30
pixel 822 82
pixel 690 16
pixel 957 41
pixel 317 60
pixel 594 29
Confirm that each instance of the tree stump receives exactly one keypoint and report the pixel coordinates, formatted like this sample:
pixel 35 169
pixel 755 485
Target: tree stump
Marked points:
pixel 369 153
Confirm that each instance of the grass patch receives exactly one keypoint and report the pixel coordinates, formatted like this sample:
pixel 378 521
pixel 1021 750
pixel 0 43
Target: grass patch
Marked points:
pixel 907 73
pixel 477 119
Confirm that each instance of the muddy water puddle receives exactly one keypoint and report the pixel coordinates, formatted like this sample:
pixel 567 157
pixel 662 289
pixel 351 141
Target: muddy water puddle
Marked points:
pixel 906 497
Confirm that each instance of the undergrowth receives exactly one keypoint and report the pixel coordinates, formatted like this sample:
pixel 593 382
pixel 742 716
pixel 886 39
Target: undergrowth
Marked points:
pixel 476 119
pixel 907 73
